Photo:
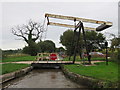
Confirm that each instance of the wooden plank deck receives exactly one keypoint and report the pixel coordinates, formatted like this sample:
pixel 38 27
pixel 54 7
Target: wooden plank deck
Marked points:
pixel 57 62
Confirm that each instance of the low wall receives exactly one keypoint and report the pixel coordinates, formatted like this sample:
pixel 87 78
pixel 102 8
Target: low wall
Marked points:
pixel 6 77
pixel 88 81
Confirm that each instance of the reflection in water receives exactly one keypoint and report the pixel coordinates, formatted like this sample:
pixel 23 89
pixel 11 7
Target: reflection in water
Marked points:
pixel 43 78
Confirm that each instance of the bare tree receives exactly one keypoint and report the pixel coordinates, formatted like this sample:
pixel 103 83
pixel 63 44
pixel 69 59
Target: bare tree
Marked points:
pixel 29 32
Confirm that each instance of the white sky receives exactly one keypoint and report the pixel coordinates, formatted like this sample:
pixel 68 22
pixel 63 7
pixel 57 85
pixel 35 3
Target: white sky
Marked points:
pixel 18 13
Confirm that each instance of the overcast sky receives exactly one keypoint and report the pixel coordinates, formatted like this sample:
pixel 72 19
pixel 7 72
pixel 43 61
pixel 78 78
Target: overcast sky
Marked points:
pixel 18 13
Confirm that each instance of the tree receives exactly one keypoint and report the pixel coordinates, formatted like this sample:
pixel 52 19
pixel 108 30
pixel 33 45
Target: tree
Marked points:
pixel 115 47
pixel 29 32
pixel 94 36
pixel 60 49
pixel 67 40
pixel 46 46
pixel 115 43
pixel 91 36
pixel 94 39
pixel 32 49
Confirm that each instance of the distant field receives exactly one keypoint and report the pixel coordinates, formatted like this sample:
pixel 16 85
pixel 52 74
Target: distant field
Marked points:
pixel 100 71
pixel 20 58
pixel 10 67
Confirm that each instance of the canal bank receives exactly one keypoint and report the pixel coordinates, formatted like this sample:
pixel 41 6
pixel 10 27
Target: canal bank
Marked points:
pixel 90 82
pixel 87 81
pixel 78 79
pixel 43 78
pixel 13 75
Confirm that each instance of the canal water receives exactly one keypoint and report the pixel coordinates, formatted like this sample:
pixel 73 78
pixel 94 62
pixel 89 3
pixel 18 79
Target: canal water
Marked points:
pixel 43 78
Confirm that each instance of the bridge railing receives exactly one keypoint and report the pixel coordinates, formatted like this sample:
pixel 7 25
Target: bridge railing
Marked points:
pixel 49 61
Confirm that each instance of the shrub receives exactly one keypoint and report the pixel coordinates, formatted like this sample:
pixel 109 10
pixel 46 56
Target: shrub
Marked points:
pixel 31 50
pixel 115 56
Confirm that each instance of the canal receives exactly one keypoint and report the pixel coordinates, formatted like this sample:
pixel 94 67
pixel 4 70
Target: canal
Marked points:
pixel 42 78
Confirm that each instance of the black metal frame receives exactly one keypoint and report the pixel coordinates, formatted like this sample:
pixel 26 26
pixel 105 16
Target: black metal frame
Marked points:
pixel 76 44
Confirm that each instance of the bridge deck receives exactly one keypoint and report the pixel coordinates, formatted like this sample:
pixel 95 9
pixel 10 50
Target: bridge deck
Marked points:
pixel 49 64
pixel 55 62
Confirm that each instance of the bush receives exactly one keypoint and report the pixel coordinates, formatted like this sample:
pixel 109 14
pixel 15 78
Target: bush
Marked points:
pixel 115 56
pixel 31 50
pixel 3 55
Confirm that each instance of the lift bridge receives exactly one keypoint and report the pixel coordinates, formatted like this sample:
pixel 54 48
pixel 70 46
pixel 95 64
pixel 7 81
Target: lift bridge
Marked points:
pixel 77 32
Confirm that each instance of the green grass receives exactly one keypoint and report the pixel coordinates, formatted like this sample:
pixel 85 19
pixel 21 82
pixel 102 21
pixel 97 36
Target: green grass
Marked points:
pixel 16 59
pixel 100 71
pixel 96 58
pixel 78 58
pixel 10 67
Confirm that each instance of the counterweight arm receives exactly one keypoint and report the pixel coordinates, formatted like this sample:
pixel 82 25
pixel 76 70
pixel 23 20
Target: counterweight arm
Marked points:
pixel 103 24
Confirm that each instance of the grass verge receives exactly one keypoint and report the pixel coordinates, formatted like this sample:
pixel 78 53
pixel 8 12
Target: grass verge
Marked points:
pixel 10 67
pixel 16 59
pixel 101 71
